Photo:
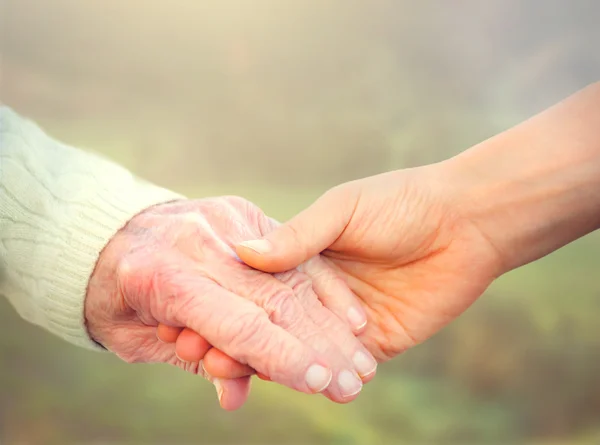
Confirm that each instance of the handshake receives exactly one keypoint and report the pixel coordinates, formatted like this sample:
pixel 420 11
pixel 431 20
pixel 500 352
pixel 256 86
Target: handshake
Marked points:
pixel 218 288
pixel 371 269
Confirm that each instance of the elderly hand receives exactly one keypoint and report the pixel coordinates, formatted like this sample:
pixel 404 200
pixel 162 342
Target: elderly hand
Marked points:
pixel 174 264
pixel 420 246
pixel 402 245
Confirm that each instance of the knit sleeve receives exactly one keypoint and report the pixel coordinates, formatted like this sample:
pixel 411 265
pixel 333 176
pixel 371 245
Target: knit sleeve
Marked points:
pixel 59 207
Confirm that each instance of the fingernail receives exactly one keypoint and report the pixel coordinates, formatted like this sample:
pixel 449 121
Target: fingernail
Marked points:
pixel 318 378
pixel 179 358
pixel 350 383
pixel 260 246
pixel 356 318
pixel 364 363
pixel 219 388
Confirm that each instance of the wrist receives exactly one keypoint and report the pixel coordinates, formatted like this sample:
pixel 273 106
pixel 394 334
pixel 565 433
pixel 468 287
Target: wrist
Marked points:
pixel 60 207
pixel 103 305
pixel 107 211
pixel 119 215
pixel 535 187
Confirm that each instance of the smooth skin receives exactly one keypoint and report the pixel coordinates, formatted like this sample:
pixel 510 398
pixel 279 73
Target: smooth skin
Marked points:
pixel 419 246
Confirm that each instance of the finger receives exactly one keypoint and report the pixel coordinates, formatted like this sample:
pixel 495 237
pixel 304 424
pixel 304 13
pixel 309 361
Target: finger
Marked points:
pixel 263 377
pixel 218 364
pixel 167 334
pixel 363 365
pixel 332 290
pixel 335 294
pixel 244 331
pixel 230 323
pixel 304 236
pixel 191 347
pixel 215 362
pixel 286 298
pixel 232 393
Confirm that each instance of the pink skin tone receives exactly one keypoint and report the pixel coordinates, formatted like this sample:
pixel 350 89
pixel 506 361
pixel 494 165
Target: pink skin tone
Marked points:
pixel 419 246
pixel 386 236
pixel 175 265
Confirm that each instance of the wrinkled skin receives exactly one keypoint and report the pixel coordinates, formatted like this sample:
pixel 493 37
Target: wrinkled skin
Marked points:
pixel 404 245
pixel 175 264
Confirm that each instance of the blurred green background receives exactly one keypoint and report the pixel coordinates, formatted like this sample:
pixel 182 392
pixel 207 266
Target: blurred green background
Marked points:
pixel 277 101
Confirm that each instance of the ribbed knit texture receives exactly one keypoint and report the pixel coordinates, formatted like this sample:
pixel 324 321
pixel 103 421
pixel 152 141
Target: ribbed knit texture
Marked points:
pixel 59 207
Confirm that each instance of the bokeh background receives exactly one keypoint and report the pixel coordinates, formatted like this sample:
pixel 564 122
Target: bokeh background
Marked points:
pixel 277 101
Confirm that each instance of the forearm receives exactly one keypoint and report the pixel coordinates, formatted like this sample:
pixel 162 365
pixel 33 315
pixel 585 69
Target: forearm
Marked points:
pixel 535 187
pixel 58 208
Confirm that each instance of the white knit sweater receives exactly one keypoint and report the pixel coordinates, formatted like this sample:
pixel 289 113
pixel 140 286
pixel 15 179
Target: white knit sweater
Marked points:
pixel 58 208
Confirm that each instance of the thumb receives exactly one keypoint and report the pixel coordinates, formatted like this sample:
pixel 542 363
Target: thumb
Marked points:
pixel 304 236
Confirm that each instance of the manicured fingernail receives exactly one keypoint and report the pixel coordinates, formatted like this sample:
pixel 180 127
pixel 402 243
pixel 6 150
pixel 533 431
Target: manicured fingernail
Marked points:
pixel 364 363
pixel 260 246
pixel 350 383
pixel 356 318
pixel 318 378
pixel 219 388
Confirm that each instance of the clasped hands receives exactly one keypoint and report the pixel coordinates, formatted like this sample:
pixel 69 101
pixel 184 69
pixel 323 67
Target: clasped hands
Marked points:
pixel 216 287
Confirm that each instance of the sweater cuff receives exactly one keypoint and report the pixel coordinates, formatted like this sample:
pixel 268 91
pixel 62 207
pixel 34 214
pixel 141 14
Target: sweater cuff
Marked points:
pixel 107 209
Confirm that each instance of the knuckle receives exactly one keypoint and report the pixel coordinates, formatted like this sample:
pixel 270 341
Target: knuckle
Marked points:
pixel 266 224
pixel 302 285
pixel 283 309
pixel 292 233
pixel 324 318
pixel 314 305
pixel 331 282
pixel 134 279
pixel 335 279
pixel 285 277
pixel 297 238
pixel 299 282
pixel 125 271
